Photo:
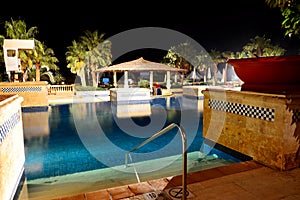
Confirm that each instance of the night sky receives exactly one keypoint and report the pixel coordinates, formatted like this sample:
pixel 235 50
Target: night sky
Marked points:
pixel 220 25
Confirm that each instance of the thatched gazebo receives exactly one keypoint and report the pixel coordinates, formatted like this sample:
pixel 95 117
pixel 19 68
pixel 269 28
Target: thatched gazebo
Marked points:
pixel 140 65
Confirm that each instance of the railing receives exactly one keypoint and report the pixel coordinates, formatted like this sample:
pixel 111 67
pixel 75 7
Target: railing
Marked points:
pixel 61 89
pixel 184 153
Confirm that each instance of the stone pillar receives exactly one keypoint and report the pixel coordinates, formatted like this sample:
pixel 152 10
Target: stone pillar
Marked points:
pixel 12 154
pixel 263 126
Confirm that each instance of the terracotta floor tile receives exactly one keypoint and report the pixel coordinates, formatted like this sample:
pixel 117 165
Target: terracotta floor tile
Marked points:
pixel 246 180
pixel 101 194
pixel 120 192
pixel 75 197
pixel 159 184
pixel 140 188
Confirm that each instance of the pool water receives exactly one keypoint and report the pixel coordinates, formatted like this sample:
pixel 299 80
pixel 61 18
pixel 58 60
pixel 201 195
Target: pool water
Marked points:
pixel 80 137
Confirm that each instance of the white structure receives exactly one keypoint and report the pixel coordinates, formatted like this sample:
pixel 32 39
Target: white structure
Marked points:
pixel 11 52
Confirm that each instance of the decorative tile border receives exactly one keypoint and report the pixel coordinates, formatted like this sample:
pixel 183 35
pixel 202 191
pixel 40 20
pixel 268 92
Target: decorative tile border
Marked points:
pixel 8 125
pixel 242 109
pixel 35 109
pixel 21 89
pixel 296 116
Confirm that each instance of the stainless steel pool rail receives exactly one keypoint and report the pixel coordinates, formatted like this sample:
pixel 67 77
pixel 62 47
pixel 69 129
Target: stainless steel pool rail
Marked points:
pixel 184 152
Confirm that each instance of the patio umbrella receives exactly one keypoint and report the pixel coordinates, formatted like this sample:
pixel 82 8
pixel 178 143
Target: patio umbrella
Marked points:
pixel 194 75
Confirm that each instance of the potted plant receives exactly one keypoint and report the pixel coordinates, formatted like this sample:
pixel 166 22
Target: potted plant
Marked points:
pixel 274 74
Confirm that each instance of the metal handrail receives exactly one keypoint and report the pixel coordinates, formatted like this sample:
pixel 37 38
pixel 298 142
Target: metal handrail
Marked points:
pixel 184 152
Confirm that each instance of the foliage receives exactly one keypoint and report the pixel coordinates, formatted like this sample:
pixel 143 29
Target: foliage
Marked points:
pixel 290 10
pixel 31 59
pixel 143 83
pixel 88 54
pixel 186 56
pixel 17 29
pixel 87 88
pixel 261 46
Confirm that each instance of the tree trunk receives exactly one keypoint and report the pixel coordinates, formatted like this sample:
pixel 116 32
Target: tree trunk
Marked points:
pixel 82 76
pixel 204 76
pixel 37 72
pixel 94 79
pixel 225 73
pixel 215 75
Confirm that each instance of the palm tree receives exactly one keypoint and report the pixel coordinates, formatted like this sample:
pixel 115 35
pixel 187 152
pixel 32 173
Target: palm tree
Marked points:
pixel 171 59
pixel 261 46
pixel 290 10
pixel 226 55
pixel 230 55
pixel 203 62
pixel 17 29
pixel 41 55
pixel 90 53
pixel 74 57
pixel 217 58
pixel 185 56
pixel 256 45
pixel 98 52
pixel 44 57
pixel 274 51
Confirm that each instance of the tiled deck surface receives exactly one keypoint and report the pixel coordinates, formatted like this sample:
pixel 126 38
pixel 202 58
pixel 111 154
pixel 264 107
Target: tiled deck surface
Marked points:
pixel 245 180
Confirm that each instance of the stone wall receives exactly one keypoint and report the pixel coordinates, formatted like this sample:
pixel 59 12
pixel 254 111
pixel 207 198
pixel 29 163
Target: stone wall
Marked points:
pixel 265 127
pixel 12 156
pixel 35 94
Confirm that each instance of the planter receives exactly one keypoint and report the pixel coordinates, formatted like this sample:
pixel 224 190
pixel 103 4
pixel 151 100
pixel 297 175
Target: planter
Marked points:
pixel 276 74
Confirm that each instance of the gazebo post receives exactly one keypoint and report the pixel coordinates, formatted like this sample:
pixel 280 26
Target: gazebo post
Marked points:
pixel 175 77
pixel 126 79
pixel 115 79
pixel 168 80
pixel 151 81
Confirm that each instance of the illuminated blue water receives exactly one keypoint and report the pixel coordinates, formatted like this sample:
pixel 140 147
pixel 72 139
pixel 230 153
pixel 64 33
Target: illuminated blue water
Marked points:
pixel 64 140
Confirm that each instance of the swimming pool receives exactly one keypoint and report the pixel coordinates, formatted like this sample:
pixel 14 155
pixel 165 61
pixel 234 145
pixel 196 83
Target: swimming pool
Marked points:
pixel 80 137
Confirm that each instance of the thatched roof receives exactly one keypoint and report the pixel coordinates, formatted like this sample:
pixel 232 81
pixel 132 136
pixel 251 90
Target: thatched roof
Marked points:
pixel 139 65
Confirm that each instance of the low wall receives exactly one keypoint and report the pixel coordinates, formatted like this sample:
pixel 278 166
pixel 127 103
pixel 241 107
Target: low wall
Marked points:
pixel 12 156
pixel 35 94
pixel 265 127
pixel 194 90
pixel 61 90
pixel 127 95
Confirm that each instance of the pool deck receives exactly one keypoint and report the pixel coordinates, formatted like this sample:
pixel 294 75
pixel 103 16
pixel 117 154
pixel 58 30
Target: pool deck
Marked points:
pixel 244 180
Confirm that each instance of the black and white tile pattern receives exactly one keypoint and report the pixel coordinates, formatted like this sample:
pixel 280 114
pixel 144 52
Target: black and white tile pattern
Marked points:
pixel 21 89
pixel 8 125
pixel 242 109
pixel 296 116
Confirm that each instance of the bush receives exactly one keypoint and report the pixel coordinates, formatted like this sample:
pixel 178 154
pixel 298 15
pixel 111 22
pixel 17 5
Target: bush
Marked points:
pixel 88 88
pixel 143 83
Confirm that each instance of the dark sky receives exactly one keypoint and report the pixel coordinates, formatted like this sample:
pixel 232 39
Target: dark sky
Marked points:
pixel 214 24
